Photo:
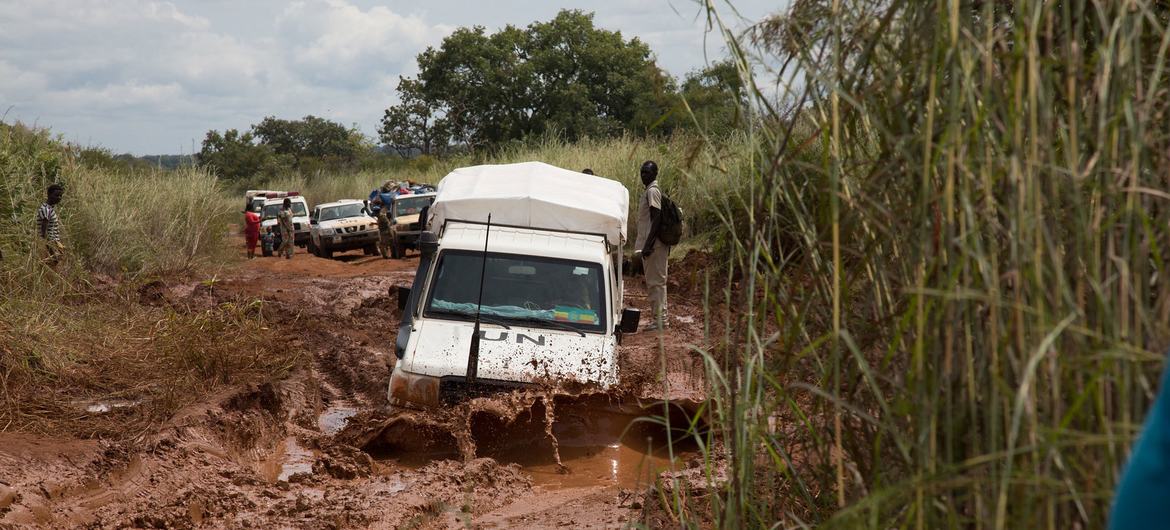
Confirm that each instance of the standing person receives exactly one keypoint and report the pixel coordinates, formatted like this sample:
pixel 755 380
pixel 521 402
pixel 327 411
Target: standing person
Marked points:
pixel 652 251
pixel 267 242
pixel 287 234
pixel 49 225
pixel 384 241
pixel 251 231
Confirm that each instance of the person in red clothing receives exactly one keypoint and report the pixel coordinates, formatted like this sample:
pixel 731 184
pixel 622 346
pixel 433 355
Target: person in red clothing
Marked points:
pixel 251 231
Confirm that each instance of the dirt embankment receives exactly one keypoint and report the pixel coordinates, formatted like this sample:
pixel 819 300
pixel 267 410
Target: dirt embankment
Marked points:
pixel 319 448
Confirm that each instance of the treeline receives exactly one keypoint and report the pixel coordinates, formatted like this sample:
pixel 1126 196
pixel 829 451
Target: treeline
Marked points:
pixel 564 77
pixel 274 146
pixel 480 91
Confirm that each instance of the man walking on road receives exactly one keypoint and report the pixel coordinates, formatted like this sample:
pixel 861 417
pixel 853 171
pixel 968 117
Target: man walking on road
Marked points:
pixel 49 225
pixel 287 234
pixel 652 251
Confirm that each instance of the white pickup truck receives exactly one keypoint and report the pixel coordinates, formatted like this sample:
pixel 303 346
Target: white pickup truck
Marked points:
pixel 300 209
pixel 340 226
pixel 550 307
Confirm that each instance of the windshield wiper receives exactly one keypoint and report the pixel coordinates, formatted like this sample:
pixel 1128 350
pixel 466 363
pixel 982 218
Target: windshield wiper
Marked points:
pixel 551 323
pixel 469 316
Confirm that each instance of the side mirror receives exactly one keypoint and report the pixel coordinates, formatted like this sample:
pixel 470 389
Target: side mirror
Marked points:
pixel 630 319
pixel 428 243
pixel 403 297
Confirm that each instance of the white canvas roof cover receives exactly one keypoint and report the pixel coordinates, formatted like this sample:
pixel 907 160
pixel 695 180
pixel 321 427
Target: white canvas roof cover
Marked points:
pixel 536 195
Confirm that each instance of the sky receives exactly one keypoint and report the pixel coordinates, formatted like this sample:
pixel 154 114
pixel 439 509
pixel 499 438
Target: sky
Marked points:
pixel 151 77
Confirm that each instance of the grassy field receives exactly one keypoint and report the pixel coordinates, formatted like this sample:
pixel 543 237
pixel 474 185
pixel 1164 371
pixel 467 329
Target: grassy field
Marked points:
pixel 76 334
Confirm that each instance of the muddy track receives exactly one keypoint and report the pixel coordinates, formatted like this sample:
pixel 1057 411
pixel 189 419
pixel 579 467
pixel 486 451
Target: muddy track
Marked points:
pixel 320 448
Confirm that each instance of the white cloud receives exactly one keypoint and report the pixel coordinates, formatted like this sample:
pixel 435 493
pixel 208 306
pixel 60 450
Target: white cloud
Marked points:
pixel 148 76
pixel 335 43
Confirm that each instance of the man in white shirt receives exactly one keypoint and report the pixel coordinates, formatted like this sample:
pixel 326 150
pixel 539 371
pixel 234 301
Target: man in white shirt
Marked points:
pixel 652 251
pixel 49 225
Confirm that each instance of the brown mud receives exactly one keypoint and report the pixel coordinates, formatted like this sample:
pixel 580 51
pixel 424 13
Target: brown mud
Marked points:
pixel 320 448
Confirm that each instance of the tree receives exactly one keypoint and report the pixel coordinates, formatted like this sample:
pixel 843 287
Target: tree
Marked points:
pixel 564 76
pixel 414 125
pixel 715 96
pixel 233 154
pixel 310 138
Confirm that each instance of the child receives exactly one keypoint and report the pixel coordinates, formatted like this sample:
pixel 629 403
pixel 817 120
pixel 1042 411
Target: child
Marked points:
pixel 269 242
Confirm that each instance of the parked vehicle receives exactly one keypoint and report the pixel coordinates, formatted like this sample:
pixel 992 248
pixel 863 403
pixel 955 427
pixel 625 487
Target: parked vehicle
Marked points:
pixel 405 221
pixel 254 199
pixel 340 226
pixel 300 209
pixel 533 297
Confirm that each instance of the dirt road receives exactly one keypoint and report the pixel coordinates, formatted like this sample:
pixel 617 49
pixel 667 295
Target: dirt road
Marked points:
pixel 320 448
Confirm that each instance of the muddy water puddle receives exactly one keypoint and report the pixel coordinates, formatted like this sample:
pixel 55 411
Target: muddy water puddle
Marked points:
pixel 288 460
pixel 335 418
pixel 597 447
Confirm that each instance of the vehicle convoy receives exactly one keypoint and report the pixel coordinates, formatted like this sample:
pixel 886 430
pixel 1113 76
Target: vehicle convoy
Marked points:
pixel 300 208
pixel 340 226
pixel 405 222
pixel 534 296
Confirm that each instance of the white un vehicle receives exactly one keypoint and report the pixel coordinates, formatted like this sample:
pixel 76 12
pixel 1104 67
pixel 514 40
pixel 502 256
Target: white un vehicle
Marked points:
pixel 341 226
pixel 551 305
pixel 300 211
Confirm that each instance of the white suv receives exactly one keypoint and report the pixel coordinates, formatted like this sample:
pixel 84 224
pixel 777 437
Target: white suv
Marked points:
pixel 340 226
pixel 300 209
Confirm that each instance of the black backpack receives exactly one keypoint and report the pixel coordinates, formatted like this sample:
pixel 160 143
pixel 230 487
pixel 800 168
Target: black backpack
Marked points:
pixel 670 225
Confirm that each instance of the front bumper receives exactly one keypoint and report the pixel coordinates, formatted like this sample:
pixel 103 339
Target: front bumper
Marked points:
pixel 408 237
pixel 345 242
pixel 418 391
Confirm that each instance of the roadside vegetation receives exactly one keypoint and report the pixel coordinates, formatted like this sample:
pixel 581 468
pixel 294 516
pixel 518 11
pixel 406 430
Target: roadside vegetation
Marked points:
pixel 78 336
pixel 953 272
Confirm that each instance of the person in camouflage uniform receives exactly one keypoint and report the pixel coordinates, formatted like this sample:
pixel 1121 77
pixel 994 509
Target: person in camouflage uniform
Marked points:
pixel 287 233
pixel 385 241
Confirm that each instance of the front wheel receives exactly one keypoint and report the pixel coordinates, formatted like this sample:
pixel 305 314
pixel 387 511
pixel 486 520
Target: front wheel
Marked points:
pixel 312 247
pixel 396 249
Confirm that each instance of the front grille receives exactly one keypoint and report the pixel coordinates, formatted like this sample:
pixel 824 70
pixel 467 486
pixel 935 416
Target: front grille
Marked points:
pixel 453 389
pixel 296 226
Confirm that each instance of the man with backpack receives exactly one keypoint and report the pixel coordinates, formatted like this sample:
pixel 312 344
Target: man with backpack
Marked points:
pixel 659 227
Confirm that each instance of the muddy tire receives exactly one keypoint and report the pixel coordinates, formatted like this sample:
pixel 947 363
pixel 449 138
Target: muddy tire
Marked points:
pixel 370 250
pixel 312 247
pixel 396 249
pixel 326 253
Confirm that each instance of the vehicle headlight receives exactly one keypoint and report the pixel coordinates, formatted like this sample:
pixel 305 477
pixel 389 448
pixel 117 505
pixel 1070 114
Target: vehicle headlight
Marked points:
pixel 326 231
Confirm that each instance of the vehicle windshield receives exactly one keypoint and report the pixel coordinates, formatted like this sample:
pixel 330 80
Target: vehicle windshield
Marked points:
pixel 341 212
pixel 411 205
pixel 298 209
pixel 519 289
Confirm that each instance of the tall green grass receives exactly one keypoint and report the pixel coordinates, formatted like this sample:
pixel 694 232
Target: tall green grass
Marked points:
pixel 955 296
pixel 119 223
pixel 76 334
